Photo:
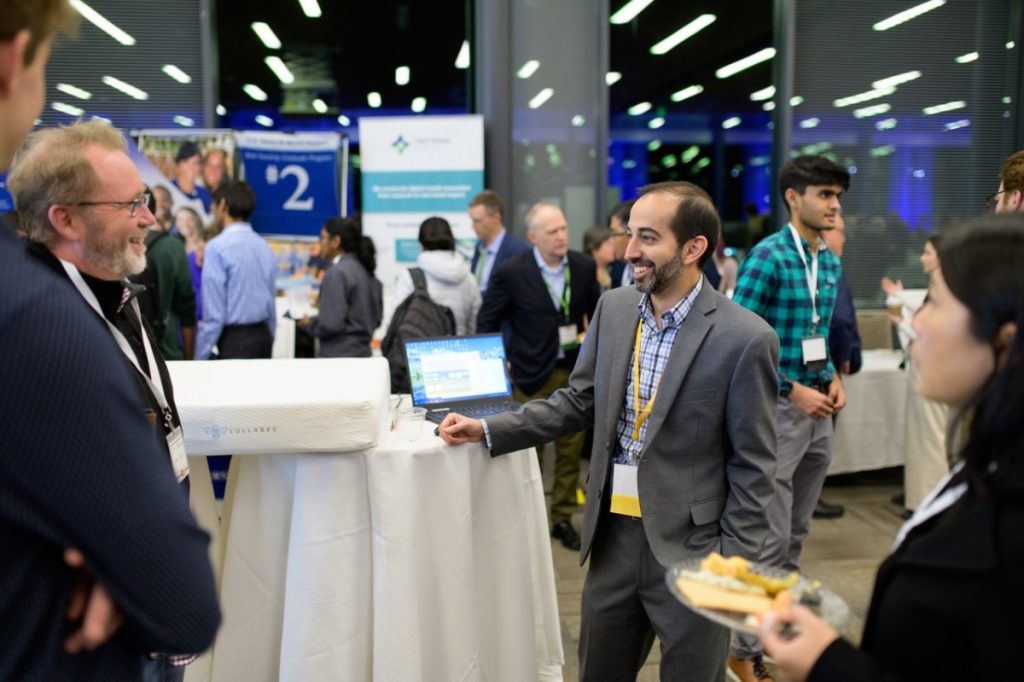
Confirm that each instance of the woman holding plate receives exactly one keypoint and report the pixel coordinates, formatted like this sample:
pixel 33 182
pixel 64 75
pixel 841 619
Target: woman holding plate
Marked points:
pixel 948 602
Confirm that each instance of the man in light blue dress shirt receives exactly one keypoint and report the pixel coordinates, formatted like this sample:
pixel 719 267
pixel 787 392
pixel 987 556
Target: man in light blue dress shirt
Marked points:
pixel 239 273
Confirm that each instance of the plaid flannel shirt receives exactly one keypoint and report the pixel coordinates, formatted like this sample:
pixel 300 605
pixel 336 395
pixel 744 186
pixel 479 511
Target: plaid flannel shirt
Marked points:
pixel 655 346
pixel 773 284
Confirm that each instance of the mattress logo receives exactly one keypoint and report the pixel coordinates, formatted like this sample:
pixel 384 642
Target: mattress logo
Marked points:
pixel 216 431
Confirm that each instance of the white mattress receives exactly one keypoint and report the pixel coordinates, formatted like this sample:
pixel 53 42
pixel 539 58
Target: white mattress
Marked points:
pixel 242 407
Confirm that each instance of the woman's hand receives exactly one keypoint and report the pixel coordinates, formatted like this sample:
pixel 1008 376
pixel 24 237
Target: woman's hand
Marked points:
pixel 796 655
pixel 892 288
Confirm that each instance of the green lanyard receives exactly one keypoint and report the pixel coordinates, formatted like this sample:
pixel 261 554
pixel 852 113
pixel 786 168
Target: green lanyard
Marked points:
pixel 566 293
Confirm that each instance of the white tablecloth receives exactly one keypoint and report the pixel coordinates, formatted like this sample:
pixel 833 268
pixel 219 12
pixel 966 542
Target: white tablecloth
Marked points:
pixel 870 430
pixel 405 562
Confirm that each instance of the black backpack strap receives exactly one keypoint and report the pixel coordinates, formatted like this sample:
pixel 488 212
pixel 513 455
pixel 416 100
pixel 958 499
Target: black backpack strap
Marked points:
pixel 419 281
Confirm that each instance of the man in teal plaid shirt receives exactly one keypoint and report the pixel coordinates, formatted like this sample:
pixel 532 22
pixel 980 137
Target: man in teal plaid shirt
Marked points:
pixel 791 280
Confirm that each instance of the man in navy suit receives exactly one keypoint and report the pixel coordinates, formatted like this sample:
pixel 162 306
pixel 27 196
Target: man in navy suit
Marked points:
pixel 496 244
pixel 546 295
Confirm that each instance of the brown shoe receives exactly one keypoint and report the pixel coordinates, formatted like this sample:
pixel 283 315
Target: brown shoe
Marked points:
pixel 750 670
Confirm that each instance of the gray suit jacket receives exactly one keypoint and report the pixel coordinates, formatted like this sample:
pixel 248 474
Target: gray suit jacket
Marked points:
pixel 708 463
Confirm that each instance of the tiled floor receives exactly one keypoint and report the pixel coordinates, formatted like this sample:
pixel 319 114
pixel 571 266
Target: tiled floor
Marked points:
pixel 843 553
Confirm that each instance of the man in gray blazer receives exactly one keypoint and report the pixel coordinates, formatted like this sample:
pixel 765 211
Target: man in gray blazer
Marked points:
pixel 680 386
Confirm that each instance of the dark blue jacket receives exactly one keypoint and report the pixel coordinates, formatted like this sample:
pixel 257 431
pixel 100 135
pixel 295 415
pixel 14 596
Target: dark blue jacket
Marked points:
pixel 843 338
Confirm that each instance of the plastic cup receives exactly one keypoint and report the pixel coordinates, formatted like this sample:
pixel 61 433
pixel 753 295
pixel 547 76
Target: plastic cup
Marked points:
pixel 409 423
pixel 894 305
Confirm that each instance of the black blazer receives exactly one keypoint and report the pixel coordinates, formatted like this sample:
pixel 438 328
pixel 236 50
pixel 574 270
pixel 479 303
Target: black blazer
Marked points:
pixel 511 246
pixel 947 605
pixel 517 293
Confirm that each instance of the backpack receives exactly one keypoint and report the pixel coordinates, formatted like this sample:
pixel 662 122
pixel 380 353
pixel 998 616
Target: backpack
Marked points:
pixel 149 300
pixel 417 317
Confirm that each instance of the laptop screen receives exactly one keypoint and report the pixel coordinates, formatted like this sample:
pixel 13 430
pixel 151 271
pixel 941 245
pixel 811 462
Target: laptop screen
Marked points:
pixel 451 369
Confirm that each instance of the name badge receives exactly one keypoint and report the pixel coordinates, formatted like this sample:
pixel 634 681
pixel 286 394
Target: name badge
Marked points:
pixel 814 349
pixel 568 336
pixel 179 460
pixel 625 495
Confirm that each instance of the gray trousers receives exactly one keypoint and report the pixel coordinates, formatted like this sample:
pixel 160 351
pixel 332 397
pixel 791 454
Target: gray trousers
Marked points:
pixel 803 455
pixel 626 603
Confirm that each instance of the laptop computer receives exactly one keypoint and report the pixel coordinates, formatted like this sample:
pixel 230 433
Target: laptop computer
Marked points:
pixel 464 374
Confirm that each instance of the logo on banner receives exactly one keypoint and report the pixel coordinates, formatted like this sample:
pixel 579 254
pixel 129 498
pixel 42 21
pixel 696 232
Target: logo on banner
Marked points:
pixel 400 144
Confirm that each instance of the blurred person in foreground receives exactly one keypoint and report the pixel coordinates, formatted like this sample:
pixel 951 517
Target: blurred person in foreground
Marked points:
pixel 102 560
pixel 947 601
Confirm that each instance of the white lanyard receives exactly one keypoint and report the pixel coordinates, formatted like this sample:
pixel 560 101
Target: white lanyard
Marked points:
pixel 937 501
pixel 811 273
pixel 156 386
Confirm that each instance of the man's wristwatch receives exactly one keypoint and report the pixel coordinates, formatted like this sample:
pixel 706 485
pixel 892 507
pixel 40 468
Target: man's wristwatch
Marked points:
pixel 785 387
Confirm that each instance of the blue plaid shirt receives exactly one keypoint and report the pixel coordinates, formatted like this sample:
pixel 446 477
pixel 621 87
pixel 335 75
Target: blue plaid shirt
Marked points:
pixel 773 284
pixel 655 346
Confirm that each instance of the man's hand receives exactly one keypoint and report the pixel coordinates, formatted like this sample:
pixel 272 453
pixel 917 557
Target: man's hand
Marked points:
pixel 814 404
pixel 796 656
pixel 90 606
pixel 836 394
pixel 844 368
pixel 303 323
pixel 456 430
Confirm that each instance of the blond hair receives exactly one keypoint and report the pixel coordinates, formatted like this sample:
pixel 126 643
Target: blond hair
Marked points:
pixel 51 168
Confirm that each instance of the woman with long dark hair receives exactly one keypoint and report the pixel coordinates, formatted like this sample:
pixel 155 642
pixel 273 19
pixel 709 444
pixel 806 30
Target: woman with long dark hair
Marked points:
pixel 350 298
pixel 948 601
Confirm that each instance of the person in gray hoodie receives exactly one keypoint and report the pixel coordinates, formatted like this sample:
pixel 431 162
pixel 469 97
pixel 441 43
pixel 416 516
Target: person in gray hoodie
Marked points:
pixel 449 281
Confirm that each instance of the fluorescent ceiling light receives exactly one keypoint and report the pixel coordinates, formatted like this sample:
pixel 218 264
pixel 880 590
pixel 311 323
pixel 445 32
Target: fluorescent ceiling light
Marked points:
pixel 541 97
pixel 884 150
pixel 1007 100
pixel 703 163
pixel 68 109
pixel 612 77
pixel 886 124
pixel 419 104
pixel 528 69
pixel 280 70
pixel 221 111
pixel 373 99
pixel 686 93
pixel 266 35
pixel 628 12
pixel 768 106
pixel 255 91
pixel 176 73
pixel 402 75
pixel 763 94
pixel 264 121
pixel 874 110
pixel 654 145
pixel 966 58
pixel 656 123
pixel 97 117
pixel 74 91
pixel 956 125
pixel 690 153
pixel 731 122
pixel 745 63
pixel 796 101
pixel 102 23
pixel 462 61
pixel 311 8
pixel 942 108
pixel 863 97
pixel 668 161
pixel 908 14
pixel 1010 45
pixel 810 123
pixel 344 120
pixel 578 121
pixel 184 121
pixel 320 106
pixel 688 31
pixel 892 81
pixel 126 88
pixel 640 108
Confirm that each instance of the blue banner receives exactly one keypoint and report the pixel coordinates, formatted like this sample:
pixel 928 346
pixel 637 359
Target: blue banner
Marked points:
pixel 295 178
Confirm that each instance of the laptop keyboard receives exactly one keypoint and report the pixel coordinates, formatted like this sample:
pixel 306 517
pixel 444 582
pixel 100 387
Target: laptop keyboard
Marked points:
pixel 475 412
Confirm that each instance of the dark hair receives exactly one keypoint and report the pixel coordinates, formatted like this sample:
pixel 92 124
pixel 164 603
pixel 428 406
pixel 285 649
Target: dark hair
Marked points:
pixel 186 151
pixel 695 215
pixel 980 263
pixel 436 235
pixel 594 238
pixel 807 170
pixel 490 201
pixel 935 239
pixel 151 204
pixel 352 241
pixel 42 18
pixel 621 212
pixel 240 199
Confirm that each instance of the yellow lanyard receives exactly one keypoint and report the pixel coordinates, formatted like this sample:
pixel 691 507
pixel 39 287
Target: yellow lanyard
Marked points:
pixel 641 414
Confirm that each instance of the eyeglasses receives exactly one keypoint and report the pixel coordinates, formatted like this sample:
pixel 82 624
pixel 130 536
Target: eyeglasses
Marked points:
pixel 133 206
pixel 991 201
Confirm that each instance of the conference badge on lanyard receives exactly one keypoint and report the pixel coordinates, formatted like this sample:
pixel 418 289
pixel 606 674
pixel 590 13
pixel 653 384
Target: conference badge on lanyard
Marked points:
pixel 813 348
pixel 625 493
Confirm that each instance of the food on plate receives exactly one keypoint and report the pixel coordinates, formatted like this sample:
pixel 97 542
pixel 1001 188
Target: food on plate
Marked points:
pixel 729 584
